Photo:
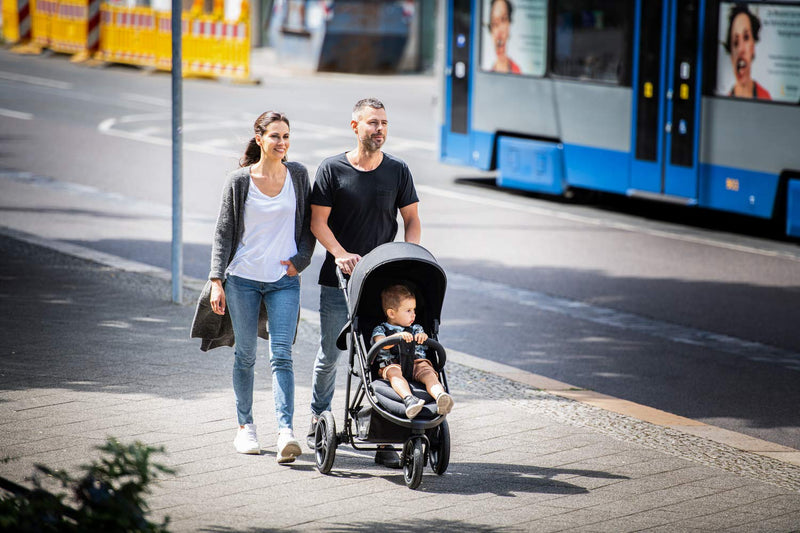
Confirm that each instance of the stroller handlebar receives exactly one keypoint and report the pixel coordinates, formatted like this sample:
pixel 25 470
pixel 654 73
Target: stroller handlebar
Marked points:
pixel 340 277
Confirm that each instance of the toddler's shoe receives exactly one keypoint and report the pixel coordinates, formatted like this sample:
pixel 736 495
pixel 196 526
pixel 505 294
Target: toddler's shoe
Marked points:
pixel 246 440
pixel 413 405
pixel 444 403
pixel 288 447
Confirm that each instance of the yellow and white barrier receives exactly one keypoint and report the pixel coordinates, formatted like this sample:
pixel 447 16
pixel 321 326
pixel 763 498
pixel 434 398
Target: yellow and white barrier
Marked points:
pixel 75 27
pixel 128 35
pixel 140 36
pixel 214 48
pixel 16 21
pixel 43 13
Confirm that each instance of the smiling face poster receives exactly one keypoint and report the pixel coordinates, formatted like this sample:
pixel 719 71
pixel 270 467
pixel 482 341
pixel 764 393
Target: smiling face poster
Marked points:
pixel 759 51
pixel 514 36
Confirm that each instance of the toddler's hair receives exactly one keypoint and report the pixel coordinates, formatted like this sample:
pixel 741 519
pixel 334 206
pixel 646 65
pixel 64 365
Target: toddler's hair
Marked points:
pixel 393 295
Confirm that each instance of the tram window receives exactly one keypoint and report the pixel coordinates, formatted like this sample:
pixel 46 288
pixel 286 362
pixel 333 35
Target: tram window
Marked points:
pixel 592 40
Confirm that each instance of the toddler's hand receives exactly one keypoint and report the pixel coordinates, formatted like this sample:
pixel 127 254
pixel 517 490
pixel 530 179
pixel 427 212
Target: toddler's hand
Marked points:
pixel 421 337
pixel 406 336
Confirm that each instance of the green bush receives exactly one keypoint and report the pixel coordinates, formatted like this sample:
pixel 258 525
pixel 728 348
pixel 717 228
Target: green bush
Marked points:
pixel 109 497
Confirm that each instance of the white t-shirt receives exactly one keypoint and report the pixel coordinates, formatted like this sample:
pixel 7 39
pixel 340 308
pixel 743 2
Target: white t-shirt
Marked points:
pixel 268 236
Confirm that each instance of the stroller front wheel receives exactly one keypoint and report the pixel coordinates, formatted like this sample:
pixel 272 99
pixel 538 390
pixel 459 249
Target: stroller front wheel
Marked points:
pixel 412 462
pixel 325 442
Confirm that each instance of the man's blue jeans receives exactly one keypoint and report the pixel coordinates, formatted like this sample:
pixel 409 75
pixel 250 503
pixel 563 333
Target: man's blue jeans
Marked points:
pixel 332 318
pixel 282 300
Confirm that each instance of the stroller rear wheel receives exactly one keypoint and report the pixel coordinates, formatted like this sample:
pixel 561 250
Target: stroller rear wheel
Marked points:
pixel 412 462
pixel 439 450
pixel 325 442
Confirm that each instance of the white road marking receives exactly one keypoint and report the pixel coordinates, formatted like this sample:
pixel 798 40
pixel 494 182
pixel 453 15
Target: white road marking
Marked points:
pixel 144 99
pixel 35 80
pixel 10 113
pixel 160 134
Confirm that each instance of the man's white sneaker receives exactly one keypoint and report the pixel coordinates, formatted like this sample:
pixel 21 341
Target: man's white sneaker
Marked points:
pixel 246 440
pixel 288 447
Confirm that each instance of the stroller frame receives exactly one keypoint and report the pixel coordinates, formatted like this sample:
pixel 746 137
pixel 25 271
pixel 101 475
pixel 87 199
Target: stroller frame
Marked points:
pixel 369 424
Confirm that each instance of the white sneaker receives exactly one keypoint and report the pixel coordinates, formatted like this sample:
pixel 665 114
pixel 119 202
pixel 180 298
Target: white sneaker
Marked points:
pixel 246 440
pixel 288 447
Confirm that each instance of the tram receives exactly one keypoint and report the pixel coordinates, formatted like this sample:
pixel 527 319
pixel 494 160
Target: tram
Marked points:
pixel 694 102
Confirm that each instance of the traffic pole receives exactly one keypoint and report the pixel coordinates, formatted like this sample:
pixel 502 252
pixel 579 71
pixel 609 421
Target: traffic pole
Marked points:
pixel 177 159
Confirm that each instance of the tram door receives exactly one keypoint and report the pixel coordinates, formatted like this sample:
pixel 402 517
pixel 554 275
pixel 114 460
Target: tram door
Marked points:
pixel 455 145
pixel 666 103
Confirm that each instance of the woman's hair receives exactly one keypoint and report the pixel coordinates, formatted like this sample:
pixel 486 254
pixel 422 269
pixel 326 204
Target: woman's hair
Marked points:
pixel 393 295
pixel 253 151
pixel 755 24
pixel 509 9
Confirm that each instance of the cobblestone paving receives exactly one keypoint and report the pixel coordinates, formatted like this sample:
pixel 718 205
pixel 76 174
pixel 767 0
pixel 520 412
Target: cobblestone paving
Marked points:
pixel 625 428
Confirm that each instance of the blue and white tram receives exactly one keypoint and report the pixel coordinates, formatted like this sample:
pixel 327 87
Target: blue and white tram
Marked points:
pixel 686 101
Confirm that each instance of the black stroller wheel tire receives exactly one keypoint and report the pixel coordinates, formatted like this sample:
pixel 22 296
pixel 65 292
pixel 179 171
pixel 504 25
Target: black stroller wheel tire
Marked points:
pixel 439 450
pixel 412 463
pixel 325 442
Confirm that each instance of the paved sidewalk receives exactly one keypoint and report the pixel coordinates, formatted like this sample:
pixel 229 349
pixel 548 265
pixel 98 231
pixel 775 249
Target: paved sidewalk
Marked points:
pixel 89 351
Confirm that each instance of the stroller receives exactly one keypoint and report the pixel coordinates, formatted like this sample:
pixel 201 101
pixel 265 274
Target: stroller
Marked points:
pixel 374 414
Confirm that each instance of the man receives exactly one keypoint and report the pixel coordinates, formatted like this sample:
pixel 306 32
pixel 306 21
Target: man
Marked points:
pixel 354 206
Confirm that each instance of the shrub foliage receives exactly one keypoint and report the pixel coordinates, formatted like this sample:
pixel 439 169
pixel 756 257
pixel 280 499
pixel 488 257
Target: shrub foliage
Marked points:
pixel 110 496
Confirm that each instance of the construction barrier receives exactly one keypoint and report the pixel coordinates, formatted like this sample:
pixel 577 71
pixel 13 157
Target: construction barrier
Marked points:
pixel 75 27
pixel 16 21
pixel 140 36
pixel 43 13
pixel 214 48
pixel 164 40
pixel 128 35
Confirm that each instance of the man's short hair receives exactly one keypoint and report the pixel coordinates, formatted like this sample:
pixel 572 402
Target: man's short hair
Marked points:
pixel 393 295
pixel 366 102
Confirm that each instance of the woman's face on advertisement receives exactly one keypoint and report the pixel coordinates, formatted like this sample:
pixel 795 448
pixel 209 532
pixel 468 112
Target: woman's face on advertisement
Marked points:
pixel 499 24
pixel 742 46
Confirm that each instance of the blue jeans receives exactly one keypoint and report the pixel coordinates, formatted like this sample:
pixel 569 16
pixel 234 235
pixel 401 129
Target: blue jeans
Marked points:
pixel 332 318
pixel 282 299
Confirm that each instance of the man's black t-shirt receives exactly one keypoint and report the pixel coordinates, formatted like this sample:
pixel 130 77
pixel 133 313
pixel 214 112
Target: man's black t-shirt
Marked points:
pixel 363 205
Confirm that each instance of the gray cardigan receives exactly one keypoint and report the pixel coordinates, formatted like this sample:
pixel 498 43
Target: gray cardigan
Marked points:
pixel 216 330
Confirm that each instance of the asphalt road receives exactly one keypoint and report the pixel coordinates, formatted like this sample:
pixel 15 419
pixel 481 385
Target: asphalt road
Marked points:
pixel 648 303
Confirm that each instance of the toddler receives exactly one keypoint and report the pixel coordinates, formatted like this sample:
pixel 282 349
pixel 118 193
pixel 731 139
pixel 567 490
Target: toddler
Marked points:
pixel 399 305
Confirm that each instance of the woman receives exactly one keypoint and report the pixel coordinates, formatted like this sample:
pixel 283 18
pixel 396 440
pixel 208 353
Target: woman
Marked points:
pixel 499 23
pixel 262 242
pixel 743 30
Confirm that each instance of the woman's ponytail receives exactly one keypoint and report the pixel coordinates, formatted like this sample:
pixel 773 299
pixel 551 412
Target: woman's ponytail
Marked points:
pixel 251 154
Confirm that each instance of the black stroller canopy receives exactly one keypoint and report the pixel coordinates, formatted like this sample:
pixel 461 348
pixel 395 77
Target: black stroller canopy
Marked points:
pixel 397 262
pixel 388 264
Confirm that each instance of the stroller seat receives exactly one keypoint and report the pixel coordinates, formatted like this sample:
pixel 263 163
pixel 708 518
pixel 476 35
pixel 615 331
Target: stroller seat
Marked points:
pixel 391 401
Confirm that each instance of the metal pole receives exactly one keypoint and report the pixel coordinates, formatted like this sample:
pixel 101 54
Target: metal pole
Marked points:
pixel 177 159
